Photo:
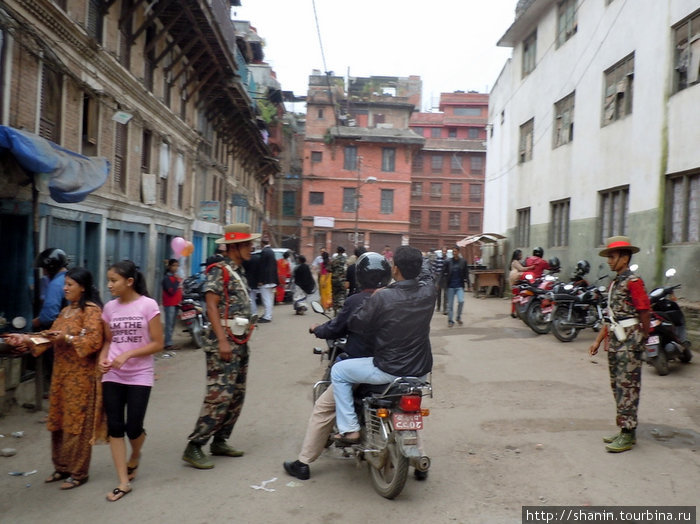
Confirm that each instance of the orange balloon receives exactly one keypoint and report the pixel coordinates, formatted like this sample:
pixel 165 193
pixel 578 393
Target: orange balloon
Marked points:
pixel 188 249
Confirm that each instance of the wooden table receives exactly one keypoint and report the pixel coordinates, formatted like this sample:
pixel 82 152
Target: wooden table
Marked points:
pixel 488 278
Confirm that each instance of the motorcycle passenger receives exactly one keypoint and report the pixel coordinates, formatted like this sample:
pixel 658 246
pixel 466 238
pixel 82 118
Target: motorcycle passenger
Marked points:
pixel 396 319
pixel 629 322
pixel 539 264
pixel 373 272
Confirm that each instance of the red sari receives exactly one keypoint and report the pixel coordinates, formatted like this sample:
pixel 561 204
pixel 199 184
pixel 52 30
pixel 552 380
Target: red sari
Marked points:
pixel 284 271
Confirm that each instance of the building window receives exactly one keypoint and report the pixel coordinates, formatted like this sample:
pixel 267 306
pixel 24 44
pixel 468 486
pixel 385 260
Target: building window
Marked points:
pixel 477 164
pixel 564 120
pixel 416 217
pixel 613 212
pixel 522 231
pixel 51 98
pixel 146 141
pixel 567 23
pixel 319 114
pixel 180 180
pixel 467 111
pixel 388 159
pixel 559 223
pixel 473 133
pixel 687 52
pixel 454 221
pixel 316 157
pixel 455 164
pixel 435 132
pixel 526 142
pixel 475 191
pixel 350 158
pixel 288 203
pixel 436 163
pixel 349 199
pixel 94 20
pixel 417 163
pixel 418 130
pixel 684 220
pixel 149 58
pixel 456 192
pixel 315 198
pixel 529 54
pixel 90 124
pixel 434 220
pixel 435 190
pixel 120 151
pixel 619 83
pixel 416 190
pixel 164 172
pixel 452 132
pixel 474 222
pixel 387 203
pixel 126 15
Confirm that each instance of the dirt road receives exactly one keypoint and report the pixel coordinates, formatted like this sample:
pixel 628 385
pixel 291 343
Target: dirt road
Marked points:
pixel 516 419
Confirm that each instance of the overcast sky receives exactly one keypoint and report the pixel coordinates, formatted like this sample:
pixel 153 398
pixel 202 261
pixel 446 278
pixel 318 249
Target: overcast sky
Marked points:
pixel 450 44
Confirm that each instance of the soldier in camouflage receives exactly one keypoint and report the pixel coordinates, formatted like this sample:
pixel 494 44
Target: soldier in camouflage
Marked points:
pixel 338 279
pixel 624 336
pixel 226 349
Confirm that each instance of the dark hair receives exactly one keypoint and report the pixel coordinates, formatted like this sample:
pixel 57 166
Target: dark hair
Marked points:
pixel 360 250
pixel 409 260
pixel 340 249
pixel 173 261
pixel 517 255
pixel 301 259
pixel 127 269
pixel 83 278
pixel 286 254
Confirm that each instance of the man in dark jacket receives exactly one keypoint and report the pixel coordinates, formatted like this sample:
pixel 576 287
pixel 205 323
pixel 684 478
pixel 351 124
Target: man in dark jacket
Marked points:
pixel 456 274
pixel 397 321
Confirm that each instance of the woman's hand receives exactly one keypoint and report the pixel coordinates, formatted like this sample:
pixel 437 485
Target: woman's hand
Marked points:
pixel 19 343
pixel 104 366
pixel 120 360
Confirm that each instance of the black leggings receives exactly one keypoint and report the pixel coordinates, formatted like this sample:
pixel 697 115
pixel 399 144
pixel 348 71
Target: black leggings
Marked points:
pixel 119 396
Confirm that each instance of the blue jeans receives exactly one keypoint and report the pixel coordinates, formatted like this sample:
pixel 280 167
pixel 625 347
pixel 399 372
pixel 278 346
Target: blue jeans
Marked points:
pixel 170 312
pixel 344 375
pixel 451 292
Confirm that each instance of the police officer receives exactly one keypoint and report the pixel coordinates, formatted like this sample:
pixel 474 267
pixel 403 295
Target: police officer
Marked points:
pixel 624 336
pixel 226 349
pixel 338 278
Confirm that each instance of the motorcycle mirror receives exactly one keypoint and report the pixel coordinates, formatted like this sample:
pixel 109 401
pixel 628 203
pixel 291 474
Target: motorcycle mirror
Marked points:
pixel 670 272
pixel 317 307
pixel 568 287
pixel 601 289
pixel 634 267
pixel 19 322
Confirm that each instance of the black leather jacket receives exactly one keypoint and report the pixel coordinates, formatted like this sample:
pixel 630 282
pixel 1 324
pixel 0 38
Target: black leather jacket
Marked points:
pixel 357 345
pixel 396 320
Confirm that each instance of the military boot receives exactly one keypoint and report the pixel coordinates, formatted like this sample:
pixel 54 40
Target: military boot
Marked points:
pixel 194 456
pixel 612 438
pixel 220 447
pixel 624 442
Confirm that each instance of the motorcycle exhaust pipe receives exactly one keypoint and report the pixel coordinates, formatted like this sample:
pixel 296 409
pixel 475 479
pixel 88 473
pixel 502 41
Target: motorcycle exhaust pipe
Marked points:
pixel 421 463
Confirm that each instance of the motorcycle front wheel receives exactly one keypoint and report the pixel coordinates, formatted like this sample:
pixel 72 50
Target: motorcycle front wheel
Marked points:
pixel 197 332
pixel 390 479
pixel 660 363
pixel 536 320
pixel 564 334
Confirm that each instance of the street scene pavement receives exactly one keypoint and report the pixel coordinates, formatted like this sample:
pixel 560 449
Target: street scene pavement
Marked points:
pixel 517 419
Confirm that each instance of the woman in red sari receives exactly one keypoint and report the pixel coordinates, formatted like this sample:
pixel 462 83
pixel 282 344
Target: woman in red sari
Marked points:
pixel 284 271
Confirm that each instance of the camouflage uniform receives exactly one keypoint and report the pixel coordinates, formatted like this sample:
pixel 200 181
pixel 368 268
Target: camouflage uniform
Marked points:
pixel 338 278
pixel 225 380
pixel 625 358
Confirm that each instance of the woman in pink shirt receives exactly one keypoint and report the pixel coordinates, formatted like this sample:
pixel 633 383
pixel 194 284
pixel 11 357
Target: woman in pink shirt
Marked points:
pixel 133 332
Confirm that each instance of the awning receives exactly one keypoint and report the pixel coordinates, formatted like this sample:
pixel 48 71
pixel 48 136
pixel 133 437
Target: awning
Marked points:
pixel 72 176
pixel 482 237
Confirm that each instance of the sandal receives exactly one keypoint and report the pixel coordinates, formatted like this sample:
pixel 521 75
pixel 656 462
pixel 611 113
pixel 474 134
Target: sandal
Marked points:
pixel 131 471
pixel 56 476
pixel 118 493
pixel 344 440
pixel 71 483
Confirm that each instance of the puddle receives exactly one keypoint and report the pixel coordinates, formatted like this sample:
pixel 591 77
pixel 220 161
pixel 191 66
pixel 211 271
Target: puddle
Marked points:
pixel 669 436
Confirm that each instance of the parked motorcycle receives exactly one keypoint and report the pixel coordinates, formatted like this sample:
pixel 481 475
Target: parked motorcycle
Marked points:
pixel 668 337
pixel 193 309
pixel 528 295
pixel 391 418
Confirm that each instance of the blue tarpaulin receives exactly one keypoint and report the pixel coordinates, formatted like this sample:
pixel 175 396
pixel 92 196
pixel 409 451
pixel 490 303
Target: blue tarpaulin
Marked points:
pixel 72 176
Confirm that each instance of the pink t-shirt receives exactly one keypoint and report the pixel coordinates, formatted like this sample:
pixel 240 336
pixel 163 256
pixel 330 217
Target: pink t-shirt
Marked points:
pixel 129 326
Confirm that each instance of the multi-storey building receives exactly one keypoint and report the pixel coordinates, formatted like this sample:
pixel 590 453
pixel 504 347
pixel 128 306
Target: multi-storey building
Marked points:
pixel 160 89
pixel 447 176
pixel 593 132
pixel 357 162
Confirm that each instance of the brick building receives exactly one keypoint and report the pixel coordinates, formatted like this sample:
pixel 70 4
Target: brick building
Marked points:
pixel 447 176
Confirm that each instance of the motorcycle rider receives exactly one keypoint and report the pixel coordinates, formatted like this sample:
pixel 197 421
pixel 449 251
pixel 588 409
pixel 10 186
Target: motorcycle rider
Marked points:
pixel 629 323
pixel 396 319
pixel 373 271
pixel 539 264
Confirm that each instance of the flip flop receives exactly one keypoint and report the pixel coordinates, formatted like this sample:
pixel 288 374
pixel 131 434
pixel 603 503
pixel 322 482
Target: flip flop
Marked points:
pixel 117 494
pixel 71 483
pixel 56 476
pixel 131 471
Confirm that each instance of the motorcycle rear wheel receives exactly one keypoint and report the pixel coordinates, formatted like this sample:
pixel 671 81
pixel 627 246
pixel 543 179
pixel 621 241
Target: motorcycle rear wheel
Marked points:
pixel 563 334
pixel 391 478
pixel 686 355
pixel 660 363
pixel 197 333
pixel 535 319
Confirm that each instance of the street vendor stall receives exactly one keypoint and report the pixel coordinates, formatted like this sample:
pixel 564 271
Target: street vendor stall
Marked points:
pixel 490 273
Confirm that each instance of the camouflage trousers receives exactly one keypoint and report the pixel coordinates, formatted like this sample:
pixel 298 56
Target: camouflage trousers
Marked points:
pixel 339 293
pixel 625 367
pixel 225 394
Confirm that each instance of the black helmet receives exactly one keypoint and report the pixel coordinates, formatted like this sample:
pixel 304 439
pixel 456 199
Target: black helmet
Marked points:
pixel 372 271
pixel 52 260
pixel 538 252
pixel 583 267
pixel 554 263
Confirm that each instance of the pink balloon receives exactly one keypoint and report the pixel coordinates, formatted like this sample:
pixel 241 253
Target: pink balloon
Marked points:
pixel 177 244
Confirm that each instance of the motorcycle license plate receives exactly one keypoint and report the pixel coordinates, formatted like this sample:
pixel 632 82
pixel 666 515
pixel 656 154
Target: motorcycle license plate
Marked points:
pixel 186 315
pixel 653 340
pixel 407 421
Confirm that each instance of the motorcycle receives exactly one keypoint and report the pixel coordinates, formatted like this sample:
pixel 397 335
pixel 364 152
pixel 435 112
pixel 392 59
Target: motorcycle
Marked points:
pixel 391 418
pixel 668 337
pixel 193 309
pixel 577 306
